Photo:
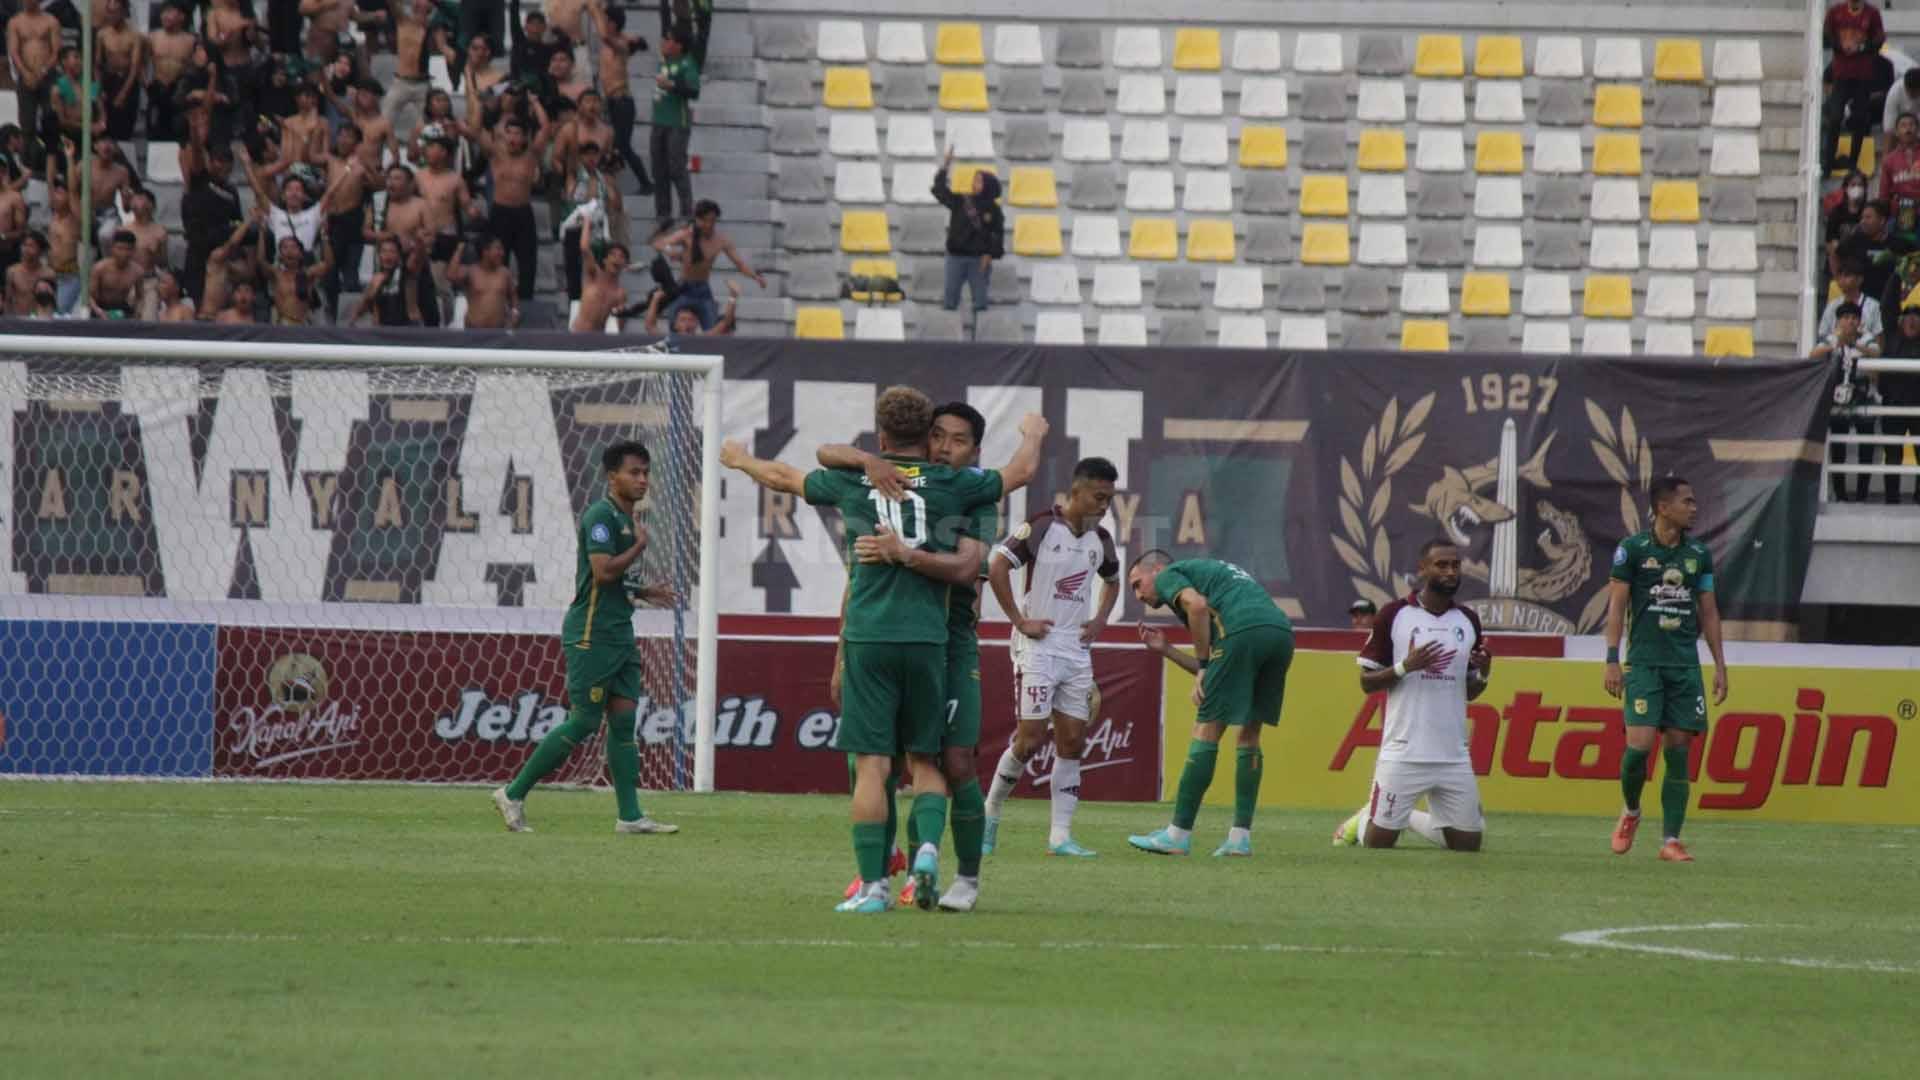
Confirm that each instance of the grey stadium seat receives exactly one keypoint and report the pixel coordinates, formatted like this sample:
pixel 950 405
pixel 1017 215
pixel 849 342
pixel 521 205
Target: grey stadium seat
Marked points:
pixel 1367 334
pixel 1021 90
pixel 1441 196
pixel 1365 292
pixel 1182 331
pixel 814 278
pixel 779 39
pixel 1028 138
pixel 1557 247
pixel 1323 99
pixel 1558 198
pixel 937 324
pixel 1676 106
pixel 1301 289
pixel 807 229
pixel 802 180
pixel 926 280
pixel 788 86
pixel 1266 193
pixel 1083 92
pixel 998 325
pixel 1733 202
pixel 1441 243
pixel 1488 336
pixel 905 90
pixel 924 232
pixel 1094 187
pixel 794 133
pixel 1268 241
pixel 1562 103
pixel 1177 287
pixel 1381 54
pixel 1324 148
pixel 1079 46
pixel 1676 153
pixel 1003 288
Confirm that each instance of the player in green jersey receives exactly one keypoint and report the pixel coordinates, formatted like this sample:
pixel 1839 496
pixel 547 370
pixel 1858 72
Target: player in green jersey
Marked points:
pixel 1665 578
pixel 1242 647
pixel 896 627
pixel 603 667
pixel 958 430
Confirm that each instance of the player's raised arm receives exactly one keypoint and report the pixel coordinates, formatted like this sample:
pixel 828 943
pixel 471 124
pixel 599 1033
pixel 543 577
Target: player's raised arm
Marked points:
pixel 1710 629
pixel 958 567
pixel 772 475
pixel 1018 472
pixel 1617 598
pixel 887 478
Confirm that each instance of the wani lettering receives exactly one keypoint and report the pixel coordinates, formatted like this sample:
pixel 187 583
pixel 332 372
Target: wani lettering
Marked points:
pixel 1590 748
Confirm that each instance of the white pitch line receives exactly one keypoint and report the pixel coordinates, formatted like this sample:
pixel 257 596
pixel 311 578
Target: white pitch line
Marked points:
pixel 1606 938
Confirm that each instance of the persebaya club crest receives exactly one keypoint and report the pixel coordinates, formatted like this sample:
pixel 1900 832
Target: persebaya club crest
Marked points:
pixel 1530 556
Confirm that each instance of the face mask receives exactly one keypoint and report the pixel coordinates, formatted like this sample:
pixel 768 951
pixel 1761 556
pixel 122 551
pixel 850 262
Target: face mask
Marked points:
pixel 1856 193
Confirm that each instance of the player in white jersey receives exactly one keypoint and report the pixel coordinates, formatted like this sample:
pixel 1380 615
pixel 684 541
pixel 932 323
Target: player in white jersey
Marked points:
pixel 1061 549
pixel 1426 652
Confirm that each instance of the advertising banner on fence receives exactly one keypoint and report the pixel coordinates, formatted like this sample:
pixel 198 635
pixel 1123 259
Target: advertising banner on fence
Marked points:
pixel 358 705
pixel 1791 744
pixel 1319 473
pixel 105 699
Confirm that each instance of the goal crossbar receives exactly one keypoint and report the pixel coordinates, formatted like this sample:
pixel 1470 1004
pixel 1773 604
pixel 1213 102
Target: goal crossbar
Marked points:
pixel 277 354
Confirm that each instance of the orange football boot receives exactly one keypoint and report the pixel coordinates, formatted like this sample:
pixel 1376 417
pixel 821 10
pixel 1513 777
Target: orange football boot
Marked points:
pixel 1622 834
pixel 1672 851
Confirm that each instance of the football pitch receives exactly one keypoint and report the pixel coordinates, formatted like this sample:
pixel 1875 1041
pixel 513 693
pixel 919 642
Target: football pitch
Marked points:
pixel 195 930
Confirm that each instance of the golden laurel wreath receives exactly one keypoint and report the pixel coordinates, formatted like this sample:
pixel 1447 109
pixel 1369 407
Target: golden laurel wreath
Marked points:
pixel 1627 458
pixel 1365 494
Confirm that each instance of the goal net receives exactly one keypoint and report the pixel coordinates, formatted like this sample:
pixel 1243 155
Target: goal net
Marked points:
pixel 264 561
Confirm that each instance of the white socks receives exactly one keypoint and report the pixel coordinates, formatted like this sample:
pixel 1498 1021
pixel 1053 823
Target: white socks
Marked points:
pixel 1005 776
pixel 1066 797
pixel 1422 822
pixel 1238 835
pixel 1178 833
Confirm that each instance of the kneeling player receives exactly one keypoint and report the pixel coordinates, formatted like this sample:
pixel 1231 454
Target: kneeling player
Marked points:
pixel 1425 652
pixel 1061 549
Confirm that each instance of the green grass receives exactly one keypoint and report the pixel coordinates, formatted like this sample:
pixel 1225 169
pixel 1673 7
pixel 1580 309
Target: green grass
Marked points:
pixel 197 930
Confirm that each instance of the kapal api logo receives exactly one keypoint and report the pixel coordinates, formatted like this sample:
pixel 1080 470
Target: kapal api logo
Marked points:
pixel 1480 505
pixel 298 720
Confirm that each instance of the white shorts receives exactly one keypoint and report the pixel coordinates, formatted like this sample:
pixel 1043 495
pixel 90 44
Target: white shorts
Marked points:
pixel 1453 795
pixel 1047 683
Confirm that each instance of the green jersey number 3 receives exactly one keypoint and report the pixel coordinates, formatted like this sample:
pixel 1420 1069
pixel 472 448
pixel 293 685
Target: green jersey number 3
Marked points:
pixel 911 527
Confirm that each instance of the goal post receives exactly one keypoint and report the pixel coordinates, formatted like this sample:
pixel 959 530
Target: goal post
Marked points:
pixel 299 561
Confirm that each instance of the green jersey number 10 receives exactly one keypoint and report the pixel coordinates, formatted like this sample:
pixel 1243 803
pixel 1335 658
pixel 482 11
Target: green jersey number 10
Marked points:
pixel 906 519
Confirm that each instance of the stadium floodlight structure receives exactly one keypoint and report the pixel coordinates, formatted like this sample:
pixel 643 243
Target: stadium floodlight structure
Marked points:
pixel 269 560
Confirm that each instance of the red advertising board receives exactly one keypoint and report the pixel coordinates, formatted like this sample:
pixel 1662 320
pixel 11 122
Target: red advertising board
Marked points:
pixel 377 705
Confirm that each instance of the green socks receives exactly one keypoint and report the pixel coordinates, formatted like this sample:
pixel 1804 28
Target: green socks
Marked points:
pixel 969 825
pixel 1247 762
pixel 1194 781
pixel 623 764
pixel 929 820
pixel 556 747
pixel 870 850
pixel 1673 792
pixel 1633 776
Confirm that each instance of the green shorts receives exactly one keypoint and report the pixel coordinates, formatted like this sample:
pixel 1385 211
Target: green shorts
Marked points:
pixel 963 696
pixel 1665 697
pixel 1246 678
pixel 893 699
pixel 597 674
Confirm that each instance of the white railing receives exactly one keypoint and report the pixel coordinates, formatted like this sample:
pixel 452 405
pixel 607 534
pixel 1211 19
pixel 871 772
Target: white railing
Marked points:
pixel 1845 470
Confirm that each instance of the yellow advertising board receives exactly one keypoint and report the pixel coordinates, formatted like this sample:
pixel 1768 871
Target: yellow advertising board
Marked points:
pixel 1790 744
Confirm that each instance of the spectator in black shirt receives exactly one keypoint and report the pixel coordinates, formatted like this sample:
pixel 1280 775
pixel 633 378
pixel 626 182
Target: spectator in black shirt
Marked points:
pixel 1875 244
pixel 976 234
pixel 533 49
pixel 208 212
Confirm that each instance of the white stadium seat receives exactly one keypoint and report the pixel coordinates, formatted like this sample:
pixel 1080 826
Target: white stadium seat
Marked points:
pixel 1615 199
pixel 858 182
pixel 842 41
pixel 1136 47
pixel 1382 243
pixel 1086 140
pixel 1736 107
pixel 1498 101
pixel 1668 339
pixel 901 43
pixel 1239 288
pixel 1615 247
pixel 971 138
pixel 1442 101
pixel 1309 332
pixel 1256 50
pixel 1607 337
pixel 1618 59
pixel 1123 328
pixel 1096 236
pixel 1498 198
pixel 1735 155
pixel 913 183
pixel 910 135
pixel 1055 283
pixel 1146 141
pixel 1497 246
pixel 1441 150
pixel 1383 195
pixel 1263 97
pixel 1319 54
pixel 1547 295
pixel 880 324
pixel 1673 247
pixel 1243 332
pixel 1553 338
pixel 1731 299
pixel 1733 250
pixel 1382 101
pixel 1114 284
pixel 853 134
pixel 1203 145
pixel 1017 45
pixel 1558 58
pixel 1207 191
pixel 1141 95
pixel 1197 95
pixel 1737 61
pixel 1059 328
pixel 1424 292
pixel 1670 296
pixel 1557 153
pixel 1149 190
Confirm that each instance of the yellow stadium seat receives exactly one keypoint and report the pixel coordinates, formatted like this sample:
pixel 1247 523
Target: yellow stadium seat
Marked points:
pixel 848 88
pixel 959 43
pixel 1196 50
pixel 963 91
pixel 1210 241
pixel 1729 341
pixel 960 177
pixel 1037 235
pixel 1263 147
pixel 877 270
pixel 819 322
pixel 1616 155
pixel 1324 243
pixel 1678 60
pixel 864 232
pixel 1499 58
pixel 1866 164
pixel 1324 196
pixel 1485 294
pixel 1499 152
pixel 1608 296
pixel 1033 185
pixel 1383 150
pixel 1616 106
pixel 1153 238
pixel 1676 201
pixel 1425 335
pixel 1440 56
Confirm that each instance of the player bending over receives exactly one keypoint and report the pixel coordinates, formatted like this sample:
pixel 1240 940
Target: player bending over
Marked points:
pixel 1426 653
pixel 1061 548
pixel 1667 578
pixel 1242 647
pixel 894 688
pixel 958 429
pixel 603 667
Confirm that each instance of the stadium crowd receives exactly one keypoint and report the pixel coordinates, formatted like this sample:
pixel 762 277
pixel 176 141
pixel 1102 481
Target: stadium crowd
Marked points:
pixel 309 192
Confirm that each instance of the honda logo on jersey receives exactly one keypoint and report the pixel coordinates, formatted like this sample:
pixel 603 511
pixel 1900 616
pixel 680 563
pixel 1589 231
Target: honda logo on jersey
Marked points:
pixel 1068 588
